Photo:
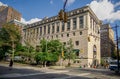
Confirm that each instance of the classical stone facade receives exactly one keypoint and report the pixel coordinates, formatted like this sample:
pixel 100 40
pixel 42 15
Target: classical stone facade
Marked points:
pixel 107 41
pixel 7 14
pixel 82 27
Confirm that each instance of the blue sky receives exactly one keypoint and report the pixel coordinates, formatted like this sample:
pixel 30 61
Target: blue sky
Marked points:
pixel 33 10
pixel 41 8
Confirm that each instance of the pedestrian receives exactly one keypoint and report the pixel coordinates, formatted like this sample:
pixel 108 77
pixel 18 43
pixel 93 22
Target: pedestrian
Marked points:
pixel 11 64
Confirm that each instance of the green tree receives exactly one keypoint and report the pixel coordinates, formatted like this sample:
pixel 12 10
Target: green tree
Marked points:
pixel 49 51
pixel 55 46
pixel 10 36
pixel 69 52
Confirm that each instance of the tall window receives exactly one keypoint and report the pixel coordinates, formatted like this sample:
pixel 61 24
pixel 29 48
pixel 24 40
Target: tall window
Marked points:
pixel 63 27
pixel 49 29
pixel 93 25
pixel 40 30
pixel 90 22
pixel 58 27
pixel 81 21
pixel 74 23
pixel 53 28
pixel 44 29
pixel 68 25
pixel 37 31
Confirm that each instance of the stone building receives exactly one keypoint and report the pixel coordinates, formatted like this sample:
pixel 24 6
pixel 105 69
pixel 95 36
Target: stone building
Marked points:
pixel 107 41
pixel 82 27
pixel 7 14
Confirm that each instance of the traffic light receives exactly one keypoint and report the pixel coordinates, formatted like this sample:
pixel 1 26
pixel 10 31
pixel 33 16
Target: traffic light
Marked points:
pixel 65 17
pixel 61 15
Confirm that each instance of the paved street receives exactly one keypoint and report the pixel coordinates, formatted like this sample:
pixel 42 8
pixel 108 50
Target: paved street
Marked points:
pixel 26 72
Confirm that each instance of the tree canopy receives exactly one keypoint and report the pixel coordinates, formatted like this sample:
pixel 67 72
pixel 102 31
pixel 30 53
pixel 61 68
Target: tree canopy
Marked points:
pixel 49 51
pixel 9 33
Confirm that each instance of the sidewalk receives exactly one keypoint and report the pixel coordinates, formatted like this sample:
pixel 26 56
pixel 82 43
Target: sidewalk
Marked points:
pixel 45 69
pixel 26 66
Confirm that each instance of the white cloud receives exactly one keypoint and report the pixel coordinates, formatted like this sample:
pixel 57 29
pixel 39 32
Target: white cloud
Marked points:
pixel 51 1
pixel 30 21
pixel 105 10
pixel 117 4
pixel 69 2
pixel 2 4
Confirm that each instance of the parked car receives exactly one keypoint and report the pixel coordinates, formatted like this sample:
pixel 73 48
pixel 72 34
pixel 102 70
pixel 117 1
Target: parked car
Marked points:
pixel 114 66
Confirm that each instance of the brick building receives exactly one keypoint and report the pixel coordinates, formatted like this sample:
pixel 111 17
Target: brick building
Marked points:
pixel 107 41
pixel 7 14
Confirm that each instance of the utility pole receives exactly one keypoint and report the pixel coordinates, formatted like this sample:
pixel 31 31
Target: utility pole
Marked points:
pixel 62 16
pixel 117 48
pixel 64 5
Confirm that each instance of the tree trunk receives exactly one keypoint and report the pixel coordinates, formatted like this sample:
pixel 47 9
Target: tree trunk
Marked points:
pixel 13 50
pixel 69 62
pixel 45 64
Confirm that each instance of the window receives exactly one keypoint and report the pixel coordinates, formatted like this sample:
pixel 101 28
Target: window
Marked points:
pixel 61 35
pixel 73 33
pixel 68 25
pixel 37 31
pixel 67 35
pixel 93 25
pixel 81 21
pixel 40 30
pixel 90 22
pixel 74 24
pixel 63 28
pixel 80 32
pixel 49 29
pixel 64 43
pixel 53 28
pixel 58 27
pixel 34 31
pixel 77 43
pixel 44 29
